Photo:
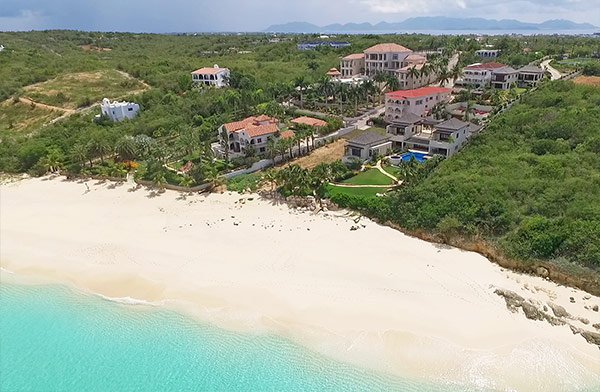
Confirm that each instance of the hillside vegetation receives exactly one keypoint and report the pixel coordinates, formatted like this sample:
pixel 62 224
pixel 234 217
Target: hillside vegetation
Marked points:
pixel 530 183
pixel 80 89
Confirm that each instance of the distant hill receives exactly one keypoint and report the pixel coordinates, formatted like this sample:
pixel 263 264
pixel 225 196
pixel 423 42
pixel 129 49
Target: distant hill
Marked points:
pixel 431 23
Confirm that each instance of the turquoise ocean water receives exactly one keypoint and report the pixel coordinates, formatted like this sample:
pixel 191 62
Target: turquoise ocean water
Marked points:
pixel 53 339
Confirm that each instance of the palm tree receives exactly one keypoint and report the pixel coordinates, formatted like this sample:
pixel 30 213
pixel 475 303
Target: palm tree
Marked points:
pixel 426 72
pixel 295 180
pixel 392 83
pixel 297 140
pixel 380 79
pixel 354 93
pixel 225 143
pixel 271 178
pixel 342 93
pixel 272 148
pixel 301 85
pixel 126 148
pixel 370 90
pixel 211 175
pixel 98 147
pixel 444 77
pixel 468 110
pixel 413 74
pixel 456 72
pixel 80 154
pixel 53 161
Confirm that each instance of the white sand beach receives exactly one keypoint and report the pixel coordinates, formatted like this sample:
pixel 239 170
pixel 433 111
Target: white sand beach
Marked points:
pixel 374 296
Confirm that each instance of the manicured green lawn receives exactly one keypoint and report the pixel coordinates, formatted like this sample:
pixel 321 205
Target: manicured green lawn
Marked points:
pixel 393 170
pixel 369 177
pixel 360 192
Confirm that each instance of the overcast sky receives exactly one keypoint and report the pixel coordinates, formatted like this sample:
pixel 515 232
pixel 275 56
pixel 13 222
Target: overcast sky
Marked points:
pixel 256 15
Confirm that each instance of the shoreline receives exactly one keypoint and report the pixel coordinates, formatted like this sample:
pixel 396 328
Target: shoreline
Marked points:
pixel 372 297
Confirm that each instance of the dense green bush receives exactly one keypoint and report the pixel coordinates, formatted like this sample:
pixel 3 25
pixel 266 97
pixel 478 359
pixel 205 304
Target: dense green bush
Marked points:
pixel 530 181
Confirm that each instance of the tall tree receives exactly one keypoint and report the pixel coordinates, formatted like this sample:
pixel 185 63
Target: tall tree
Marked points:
pixel 126 148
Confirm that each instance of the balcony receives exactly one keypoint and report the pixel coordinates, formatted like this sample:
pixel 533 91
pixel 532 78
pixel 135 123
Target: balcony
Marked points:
pixel 419 140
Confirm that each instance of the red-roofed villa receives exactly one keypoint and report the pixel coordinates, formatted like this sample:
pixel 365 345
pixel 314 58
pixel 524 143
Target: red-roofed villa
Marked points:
pixel 253 132
pixel 419 101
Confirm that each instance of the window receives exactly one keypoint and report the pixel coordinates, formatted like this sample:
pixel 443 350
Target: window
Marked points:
pixel 262 149
pixel 259 140
pixel 130 109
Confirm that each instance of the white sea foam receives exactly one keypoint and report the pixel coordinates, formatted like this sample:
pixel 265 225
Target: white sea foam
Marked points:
pixel 129 300
pixel 2 269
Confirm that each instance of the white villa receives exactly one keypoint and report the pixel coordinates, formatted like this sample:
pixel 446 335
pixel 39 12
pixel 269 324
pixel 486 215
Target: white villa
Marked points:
pixel 418 101
pixel 119 111
pixel 215 76
pixel 387 58
pixel 253 132
pixel 479 75
pixel 500 76
pixel 488 53
pixel 430 136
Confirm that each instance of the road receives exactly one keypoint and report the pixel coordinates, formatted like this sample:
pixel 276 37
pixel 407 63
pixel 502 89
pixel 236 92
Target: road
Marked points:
pixel 361 122
pixel 554 74
pixel 451 64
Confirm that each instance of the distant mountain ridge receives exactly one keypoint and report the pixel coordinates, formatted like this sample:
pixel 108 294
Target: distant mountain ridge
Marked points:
pixel 431 23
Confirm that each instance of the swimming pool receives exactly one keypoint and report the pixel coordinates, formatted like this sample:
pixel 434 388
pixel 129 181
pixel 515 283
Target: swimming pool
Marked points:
pixel 419 156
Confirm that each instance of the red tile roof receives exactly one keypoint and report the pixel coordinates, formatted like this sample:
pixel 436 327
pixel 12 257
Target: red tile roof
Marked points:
pixel 487 66
pixel 264 117
pixel 387 48
pixel 313 122
pixel 209 71
pixel 354 56
pixel 419 92
pixel 289 134
pixel 261 130
pixel 334 72
pixel 249 122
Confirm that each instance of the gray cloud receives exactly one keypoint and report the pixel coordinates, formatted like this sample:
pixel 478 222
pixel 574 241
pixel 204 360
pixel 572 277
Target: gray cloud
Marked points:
pixel 245 15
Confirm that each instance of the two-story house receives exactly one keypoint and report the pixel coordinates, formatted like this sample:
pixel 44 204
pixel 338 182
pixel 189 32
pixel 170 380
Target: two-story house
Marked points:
pixel 504 78
pixel 215 76
pixel 419 101
pixel 479 75
pixel 404 127
pixel 119 111
pixel 250 133
pixel 530 75
pixel 439 138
